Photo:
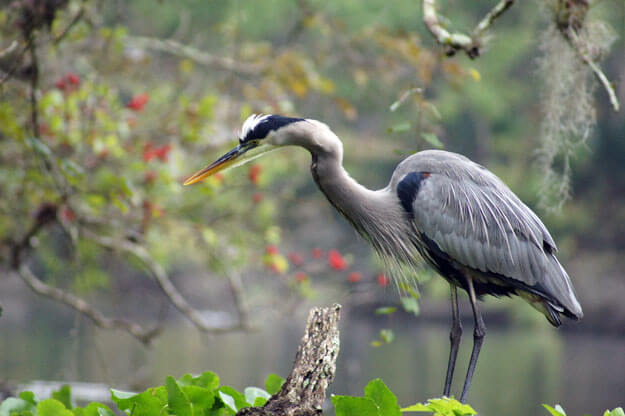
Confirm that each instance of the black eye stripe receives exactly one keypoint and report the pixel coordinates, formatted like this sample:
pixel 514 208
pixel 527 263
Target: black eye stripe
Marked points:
pixel 271 123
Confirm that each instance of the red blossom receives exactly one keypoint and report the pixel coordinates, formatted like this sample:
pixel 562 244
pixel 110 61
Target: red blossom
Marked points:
pixel 60 84
pixel 254 172
pixel 301 277
pixel 317 253
pixel 354 277
pixel 296 258
pixel 73 78
pixel 162 152
pixel 271 250
pixel 150 152
pixel 336 261
pixel 383 280
pixel 257 197
pixel 137 102
pixel 67 214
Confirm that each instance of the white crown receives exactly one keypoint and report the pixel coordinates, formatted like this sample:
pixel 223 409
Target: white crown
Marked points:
pixel 251 122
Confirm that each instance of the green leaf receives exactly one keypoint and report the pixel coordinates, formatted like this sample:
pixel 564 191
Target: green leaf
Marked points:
pixel 387 335
pixel 252 393
pixel 93 409
pixel 13 405
pixel 400 127
pixel 28 396
pixel 52 407
pixel 273 383
pixel 177 401
pixel 417 407
pixel 236 400
pixel 616 412
pixel 228 401
pixel 410 304
pixel 201 399
pixel 64 395
pixel 386 401
pixel 385 310
pixel 558 411
pixel 39 146
pixel 432 139
pixel 355 406
pixel 148 403
pixel 443 406
pixel 208 380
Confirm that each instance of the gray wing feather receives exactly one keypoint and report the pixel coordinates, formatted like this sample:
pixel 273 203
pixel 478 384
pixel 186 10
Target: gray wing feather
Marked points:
pixel 479 222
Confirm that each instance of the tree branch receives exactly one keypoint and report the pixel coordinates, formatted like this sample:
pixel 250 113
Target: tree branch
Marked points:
pixel 460 41
pixel 569 19
pixel 165 283
pixel 175 48
pixel 304 390
pixel 83 307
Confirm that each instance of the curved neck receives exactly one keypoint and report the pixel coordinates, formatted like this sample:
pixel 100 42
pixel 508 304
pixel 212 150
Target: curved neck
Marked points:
pixel 377 215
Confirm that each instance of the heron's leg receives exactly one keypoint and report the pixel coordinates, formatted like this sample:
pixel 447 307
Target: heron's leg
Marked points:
pixel 478 336
pixel 454 338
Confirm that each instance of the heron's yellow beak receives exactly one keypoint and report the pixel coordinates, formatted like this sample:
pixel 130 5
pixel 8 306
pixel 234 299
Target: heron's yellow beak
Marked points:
pixel 241 154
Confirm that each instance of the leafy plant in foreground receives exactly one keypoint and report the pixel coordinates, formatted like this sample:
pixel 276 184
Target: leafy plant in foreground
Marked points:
pixel 203 396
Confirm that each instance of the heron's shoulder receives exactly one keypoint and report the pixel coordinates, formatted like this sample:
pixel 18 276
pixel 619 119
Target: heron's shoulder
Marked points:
pixel 449 164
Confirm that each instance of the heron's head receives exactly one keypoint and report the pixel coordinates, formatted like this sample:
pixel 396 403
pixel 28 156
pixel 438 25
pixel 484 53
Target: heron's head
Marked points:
pixel 259 134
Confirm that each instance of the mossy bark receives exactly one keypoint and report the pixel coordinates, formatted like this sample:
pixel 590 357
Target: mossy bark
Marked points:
pixel 304 390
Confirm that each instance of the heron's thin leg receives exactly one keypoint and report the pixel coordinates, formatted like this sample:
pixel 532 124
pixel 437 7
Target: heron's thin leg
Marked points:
pixel 478 336
pixel 454 338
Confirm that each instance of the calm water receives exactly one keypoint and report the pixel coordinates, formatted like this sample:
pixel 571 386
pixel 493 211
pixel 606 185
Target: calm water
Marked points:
pixel 519 369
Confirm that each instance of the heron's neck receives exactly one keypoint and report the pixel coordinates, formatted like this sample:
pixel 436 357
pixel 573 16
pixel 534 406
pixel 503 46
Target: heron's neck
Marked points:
pixel 376 215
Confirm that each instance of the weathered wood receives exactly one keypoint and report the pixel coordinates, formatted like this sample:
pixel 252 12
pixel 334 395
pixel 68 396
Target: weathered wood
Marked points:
pixel 304 390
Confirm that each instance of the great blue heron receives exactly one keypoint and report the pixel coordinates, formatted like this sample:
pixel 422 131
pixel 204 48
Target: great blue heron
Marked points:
pixel 439 206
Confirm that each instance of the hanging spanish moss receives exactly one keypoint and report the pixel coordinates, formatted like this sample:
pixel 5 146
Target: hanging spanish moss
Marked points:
pixel 569 115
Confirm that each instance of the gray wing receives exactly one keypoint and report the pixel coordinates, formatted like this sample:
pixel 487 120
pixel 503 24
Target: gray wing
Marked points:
pixel 476 220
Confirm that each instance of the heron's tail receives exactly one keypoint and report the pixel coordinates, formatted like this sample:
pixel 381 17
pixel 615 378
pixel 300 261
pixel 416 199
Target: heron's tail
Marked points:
pixel 562 299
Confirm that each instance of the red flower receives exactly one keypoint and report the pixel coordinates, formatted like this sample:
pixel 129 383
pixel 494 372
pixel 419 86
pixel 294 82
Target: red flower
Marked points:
pixel 254 172
pixel 271 250
pixel 257 197
pixel 296 258
pixel 68 214
pixel 383 280
pixel 354 277
pixel 137 102
pixel 72 78
pixel 336 261
pixel 162 152
pixel 150 152
pixel 301 277
pixel 60 84
pixel 317 253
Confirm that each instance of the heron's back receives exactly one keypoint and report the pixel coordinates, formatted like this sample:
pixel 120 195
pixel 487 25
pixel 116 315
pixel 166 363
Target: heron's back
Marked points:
pixel 471 225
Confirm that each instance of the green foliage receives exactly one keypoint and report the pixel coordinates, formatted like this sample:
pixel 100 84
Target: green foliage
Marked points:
pixel 203 396
pixel 442 407
pixel 559 411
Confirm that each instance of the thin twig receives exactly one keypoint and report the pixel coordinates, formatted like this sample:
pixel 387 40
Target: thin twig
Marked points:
pixel 71 24
pixel 164 282
pixel 573 40
pixel 83 307
pixel 9 49
pixel 196 55
pixel 34 83
pixel 460 41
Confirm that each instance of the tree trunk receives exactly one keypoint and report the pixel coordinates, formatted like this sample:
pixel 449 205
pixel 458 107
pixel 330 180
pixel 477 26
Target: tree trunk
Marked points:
pixel 304 390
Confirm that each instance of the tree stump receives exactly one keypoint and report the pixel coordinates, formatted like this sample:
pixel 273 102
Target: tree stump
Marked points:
pixel 304 390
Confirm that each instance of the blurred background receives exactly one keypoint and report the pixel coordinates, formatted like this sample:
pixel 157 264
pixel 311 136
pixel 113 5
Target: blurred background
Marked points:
pixel 111 272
